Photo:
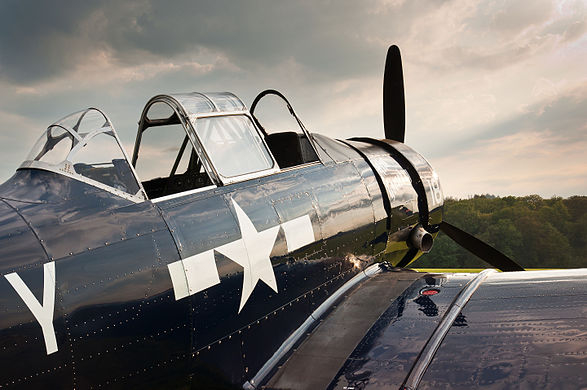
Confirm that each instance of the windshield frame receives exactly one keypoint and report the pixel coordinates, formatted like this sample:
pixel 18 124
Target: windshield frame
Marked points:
pixel 66 168
pixel 189 119
pixel 242 177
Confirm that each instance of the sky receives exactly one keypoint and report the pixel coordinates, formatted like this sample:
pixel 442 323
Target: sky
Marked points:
pixel 496 91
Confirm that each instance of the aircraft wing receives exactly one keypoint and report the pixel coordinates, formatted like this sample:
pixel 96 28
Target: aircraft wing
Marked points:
pixel 413 330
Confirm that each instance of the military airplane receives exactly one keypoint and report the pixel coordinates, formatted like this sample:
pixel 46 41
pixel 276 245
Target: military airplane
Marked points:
pixel 224 255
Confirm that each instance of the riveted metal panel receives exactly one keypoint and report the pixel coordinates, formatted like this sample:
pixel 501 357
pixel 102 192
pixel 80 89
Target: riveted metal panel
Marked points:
pixel 22 339
pixel 527 330
pixel 385 355
pixel 20 249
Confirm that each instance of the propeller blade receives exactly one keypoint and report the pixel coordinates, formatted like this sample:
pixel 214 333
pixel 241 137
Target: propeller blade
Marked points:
pixel 394 106
pixel 480 249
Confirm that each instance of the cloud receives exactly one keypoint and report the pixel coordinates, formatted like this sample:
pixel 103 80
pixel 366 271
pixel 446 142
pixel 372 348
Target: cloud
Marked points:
pixel 520 164
pixel 540 150
pixel 476 70
pixel 104 69
pixel 329 39
pixel 58 36
pixel 490 35
pixel 561 115
pixel 17 138
pixel 38 39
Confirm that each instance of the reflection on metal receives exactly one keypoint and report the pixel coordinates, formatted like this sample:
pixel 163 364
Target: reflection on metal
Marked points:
pixel 427 354
pixel 136 198
pixel 182 194
pixel 356 261
pixel 297 335
pixel 406 169
pixel 420 173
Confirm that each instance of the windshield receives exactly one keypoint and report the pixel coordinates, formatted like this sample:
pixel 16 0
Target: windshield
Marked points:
pixel 233 145
pixel 84 145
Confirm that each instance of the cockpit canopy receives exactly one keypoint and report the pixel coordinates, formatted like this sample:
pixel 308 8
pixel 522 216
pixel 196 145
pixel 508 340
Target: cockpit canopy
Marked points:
pixel 185 143
pixel 217 134
pixel 193 141
pixel 84 146
pixel 198 104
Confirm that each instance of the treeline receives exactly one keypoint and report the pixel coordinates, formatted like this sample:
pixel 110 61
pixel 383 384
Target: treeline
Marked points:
pixel 535 232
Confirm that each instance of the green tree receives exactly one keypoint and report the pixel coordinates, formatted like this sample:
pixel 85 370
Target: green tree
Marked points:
pixel 535 232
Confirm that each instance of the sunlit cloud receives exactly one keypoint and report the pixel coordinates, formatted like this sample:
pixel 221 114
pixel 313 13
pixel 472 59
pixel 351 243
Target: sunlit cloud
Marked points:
pixel 101 68
pixel 478 74
pixel 517 164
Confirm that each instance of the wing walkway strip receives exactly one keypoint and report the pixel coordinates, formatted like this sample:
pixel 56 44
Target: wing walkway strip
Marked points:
pixel 333 337
pixel 293 339
pixel 321 355
pixel 427 354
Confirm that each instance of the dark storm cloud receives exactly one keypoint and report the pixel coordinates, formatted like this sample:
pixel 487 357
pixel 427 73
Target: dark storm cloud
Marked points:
pixel 35 37
pixel 41 39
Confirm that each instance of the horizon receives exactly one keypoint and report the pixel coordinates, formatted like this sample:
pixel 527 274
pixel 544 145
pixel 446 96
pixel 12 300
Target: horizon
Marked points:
pixel 491 196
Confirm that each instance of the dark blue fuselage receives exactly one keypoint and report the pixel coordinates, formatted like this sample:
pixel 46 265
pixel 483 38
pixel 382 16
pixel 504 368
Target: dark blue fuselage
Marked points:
pixel 116 318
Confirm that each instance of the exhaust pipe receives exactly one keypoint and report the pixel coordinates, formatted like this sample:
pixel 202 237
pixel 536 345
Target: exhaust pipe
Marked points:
pixel 421 239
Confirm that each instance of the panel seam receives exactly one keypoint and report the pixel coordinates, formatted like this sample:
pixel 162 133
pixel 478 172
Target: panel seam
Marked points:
pixel 427 354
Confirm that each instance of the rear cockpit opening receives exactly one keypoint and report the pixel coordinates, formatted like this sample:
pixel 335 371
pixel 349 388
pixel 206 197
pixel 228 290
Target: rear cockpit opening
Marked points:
pixel 290 148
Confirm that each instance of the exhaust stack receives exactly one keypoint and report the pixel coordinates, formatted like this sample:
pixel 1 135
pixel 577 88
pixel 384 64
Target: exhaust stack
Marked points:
pixel 421 239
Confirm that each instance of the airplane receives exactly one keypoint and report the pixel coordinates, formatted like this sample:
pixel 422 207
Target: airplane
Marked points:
pixel 223 255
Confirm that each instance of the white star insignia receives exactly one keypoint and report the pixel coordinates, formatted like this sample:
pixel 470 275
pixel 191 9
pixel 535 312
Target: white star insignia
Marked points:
pixel 252 252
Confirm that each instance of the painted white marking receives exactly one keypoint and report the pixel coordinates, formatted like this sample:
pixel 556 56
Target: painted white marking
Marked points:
pixel 201 272
pixel 44 313
pixel 434 187
pixel 298 232
pixel 252 252
pixel 178 278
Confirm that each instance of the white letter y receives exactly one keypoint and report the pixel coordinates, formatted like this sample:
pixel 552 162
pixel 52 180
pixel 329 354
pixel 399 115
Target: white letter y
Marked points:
pixel 43 314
